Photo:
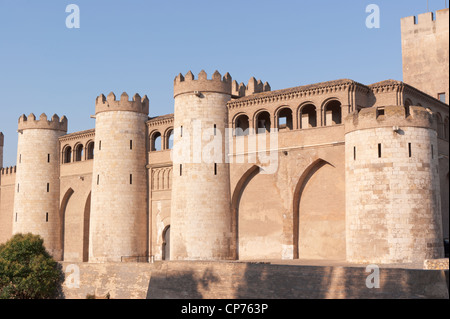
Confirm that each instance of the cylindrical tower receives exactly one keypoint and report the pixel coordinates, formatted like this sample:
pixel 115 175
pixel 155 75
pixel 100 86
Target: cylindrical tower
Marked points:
pixel 202 224
pixel 118 221
pixel 36 198
pixel 392 186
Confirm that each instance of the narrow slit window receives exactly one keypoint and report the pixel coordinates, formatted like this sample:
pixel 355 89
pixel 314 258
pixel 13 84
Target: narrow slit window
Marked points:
pixel 131 179
pixel 215 129
pixel 432 151
pixel 354 153
pixel 98 179
pixel 181 131
pixel 46 217
pixel 18 187
pixel 409 150
pixel 48 158
pixel 20 158
pixel 215 168
pixel 16 218
pixel 379 150
pixel 100 145
pixel 131 144
pixel 48 187
pixel 181 169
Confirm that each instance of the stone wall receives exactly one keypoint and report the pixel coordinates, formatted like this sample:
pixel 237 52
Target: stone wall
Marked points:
pixel 392 187
pixel 37 185
pixel 425 51
pixel 229 280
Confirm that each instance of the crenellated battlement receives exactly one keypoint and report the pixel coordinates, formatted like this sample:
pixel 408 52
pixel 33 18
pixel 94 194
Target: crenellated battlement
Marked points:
pixel 425 21
pixel 390 116
pixel 253 86
pixel 188 83
pixel 8 170
pixel 55 123
pixel 110 103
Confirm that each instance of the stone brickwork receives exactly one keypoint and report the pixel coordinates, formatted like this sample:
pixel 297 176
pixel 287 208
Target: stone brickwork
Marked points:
pixel 119 180
pixel 333 170
pixel 425 52
pixel 231 280
pixel 441 263
pixel 37 184
pixel 7 183
pixel 392 186
pixel 200 213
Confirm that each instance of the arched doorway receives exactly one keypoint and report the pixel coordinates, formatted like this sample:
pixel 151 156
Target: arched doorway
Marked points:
pixel 166 244
pixel 319 213
pixel 258 219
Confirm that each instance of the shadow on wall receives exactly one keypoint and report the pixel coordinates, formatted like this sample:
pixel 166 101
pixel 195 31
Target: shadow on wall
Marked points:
pixel 265 281
pixel 176 284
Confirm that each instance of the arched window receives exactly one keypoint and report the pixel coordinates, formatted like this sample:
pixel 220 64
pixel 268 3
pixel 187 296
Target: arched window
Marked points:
pixel 285 119
pixel 169 139
pixel 166 244
pixel 408 103
pixel 333 113
pixel 78 153
pixel 155 142
pixel 67 155
pixel 308 116
pixel 263 122
pixel 242 125
pixel 90 150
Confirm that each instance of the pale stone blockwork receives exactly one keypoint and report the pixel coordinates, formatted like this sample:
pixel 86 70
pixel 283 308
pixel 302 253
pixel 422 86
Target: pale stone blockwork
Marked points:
pixel 336 170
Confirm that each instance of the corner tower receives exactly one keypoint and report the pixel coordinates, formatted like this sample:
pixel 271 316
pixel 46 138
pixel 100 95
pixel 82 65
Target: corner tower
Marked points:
pixel 118 222
pixel 36 198
pixel 202 224
pixel 393 210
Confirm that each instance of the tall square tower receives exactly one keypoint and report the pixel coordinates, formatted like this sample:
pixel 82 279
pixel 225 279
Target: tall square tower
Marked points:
pixel 425 53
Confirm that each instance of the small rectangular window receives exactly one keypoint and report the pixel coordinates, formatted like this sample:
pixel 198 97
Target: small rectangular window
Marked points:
pixel 379 150
pixel 380 111
pixel 100 145
pixel 441 97
pixel 409 149
pixel 215 129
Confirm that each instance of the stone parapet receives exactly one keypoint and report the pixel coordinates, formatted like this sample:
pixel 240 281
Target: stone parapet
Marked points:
pixel 188 84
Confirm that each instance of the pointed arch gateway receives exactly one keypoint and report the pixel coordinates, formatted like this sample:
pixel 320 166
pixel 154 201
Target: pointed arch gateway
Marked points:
pixel 319 213
pixel 75 215
pixel 257 210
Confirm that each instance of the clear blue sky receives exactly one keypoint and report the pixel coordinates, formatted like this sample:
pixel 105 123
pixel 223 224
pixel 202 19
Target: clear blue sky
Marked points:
pixel 139 46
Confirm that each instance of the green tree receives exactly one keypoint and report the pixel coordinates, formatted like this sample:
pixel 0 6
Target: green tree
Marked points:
pixel 27 271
